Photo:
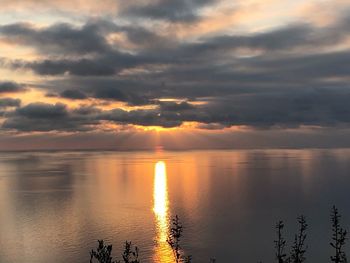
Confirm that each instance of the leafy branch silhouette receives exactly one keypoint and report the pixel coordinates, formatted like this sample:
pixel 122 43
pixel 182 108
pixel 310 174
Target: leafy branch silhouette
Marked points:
pixel 338 237
pixel 174 235
pixel 280 243
pixel 299 248
pixel 103 253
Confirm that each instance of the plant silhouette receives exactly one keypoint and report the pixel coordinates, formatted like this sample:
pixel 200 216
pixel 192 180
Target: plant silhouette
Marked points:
pixel 130 255
pixel 280 243
pixel 338 237
pixel 174 235
pixel 103 253
pixel 299 247
pixel 297 254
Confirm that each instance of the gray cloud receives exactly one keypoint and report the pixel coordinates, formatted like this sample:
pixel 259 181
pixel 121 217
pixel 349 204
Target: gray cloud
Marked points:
pixel 110 61
pixel 316 107
pixel 43 111
pixel 60 38
pixel 104 89
pixel 168 10
pixel 140 117
pixel 112 93
pixel 73 94
pixel 174 106
pixel 45 117
pixel 9 102
pixel 86 111
pixel 9 87
pixel 56 117
pixel 147 39
pixel 81 67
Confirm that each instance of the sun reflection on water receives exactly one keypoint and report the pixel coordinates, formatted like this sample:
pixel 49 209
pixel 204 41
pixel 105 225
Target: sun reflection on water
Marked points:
pixel 160 208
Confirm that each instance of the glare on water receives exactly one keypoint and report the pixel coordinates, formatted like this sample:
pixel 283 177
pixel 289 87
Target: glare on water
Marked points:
pixel 160 208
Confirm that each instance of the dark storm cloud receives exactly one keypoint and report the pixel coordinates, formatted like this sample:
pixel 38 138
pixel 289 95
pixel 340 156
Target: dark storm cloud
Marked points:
pixel 42 111
pixel 174 106
pixel 9 102
pixel 42 125
pixel 73 94
pixel 140 117
pixel 56 117
pixel 88 39
pixel 112 93
pixel 146 38
pixel 87 110
pixel 60 38
pixel 291 36
pixel 281 38
pixel 45 117
pixel 133 92
pixel 6 103
pixel 9 87
pixel 128 91
pixel 168 10
pixel 102 66
pixel 324 65
pixel 317 107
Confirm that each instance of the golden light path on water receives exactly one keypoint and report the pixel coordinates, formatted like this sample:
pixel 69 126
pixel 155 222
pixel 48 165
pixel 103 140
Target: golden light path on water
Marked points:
pixel 160 209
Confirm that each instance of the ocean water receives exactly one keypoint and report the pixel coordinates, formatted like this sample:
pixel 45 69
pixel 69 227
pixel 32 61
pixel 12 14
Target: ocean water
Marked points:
pixel 54 206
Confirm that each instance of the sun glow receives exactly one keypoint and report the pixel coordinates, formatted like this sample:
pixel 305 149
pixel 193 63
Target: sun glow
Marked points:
pixel 160 209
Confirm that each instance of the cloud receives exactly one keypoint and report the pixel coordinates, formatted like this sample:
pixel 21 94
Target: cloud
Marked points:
pixel 11 87
pixel 269 78
pixel 60 38
pixel 9 102
pixel 6 103
pixel 73 94
pixel 106 65
pixel 174 106
pixel 168 10
pixel 140 117
pixel 93 55
pixel 42 111
pixel 86 111
pixel 105 59
pixel 313 107
pixel 112 93
pixel 316 107
pixel 45 117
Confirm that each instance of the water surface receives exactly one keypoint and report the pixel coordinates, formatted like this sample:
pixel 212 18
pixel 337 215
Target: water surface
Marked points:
pixel 55 205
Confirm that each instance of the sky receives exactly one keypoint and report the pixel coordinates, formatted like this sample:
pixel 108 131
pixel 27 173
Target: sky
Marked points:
pixel 184 74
